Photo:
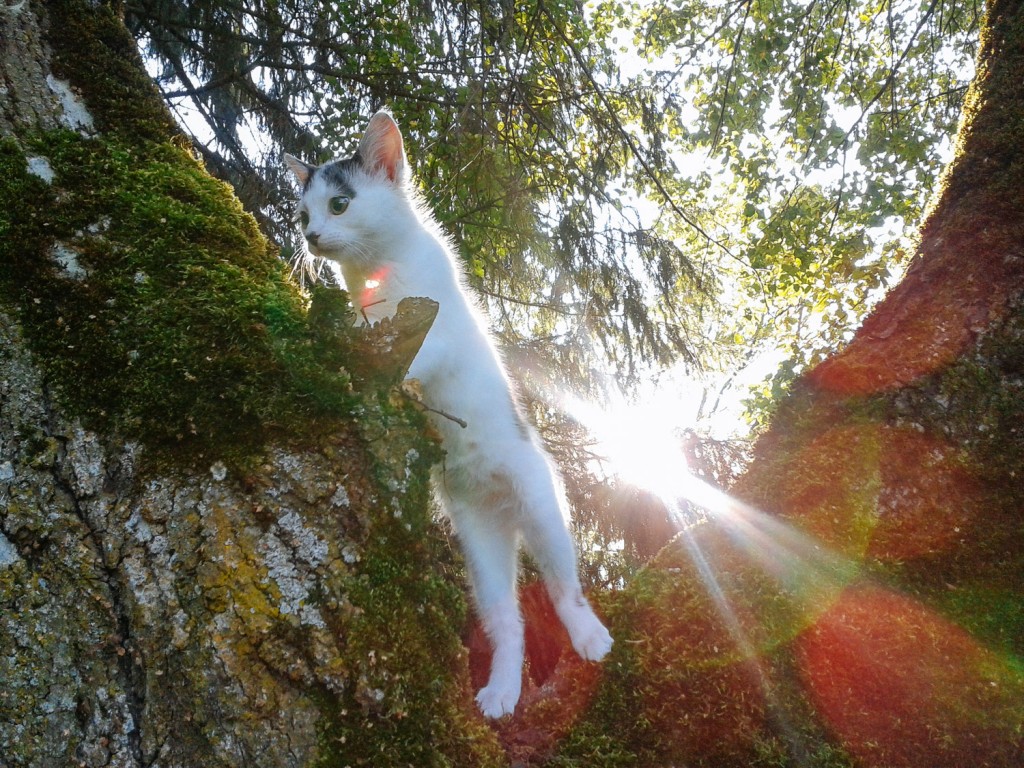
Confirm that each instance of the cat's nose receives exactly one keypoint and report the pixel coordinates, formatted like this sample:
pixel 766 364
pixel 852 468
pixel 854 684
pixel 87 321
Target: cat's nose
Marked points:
pixel 312 237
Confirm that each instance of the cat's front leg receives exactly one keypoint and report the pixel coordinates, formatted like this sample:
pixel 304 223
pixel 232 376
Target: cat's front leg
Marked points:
pixel 548 540
pixel 590 639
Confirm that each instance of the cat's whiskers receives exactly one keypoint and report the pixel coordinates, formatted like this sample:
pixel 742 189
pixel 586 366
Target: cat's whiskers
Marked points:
pixel 306 266
pixel 361 251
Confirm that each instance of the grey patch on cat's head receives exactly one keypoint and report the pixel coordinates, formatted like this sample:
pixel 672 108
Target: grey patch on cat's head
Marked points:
pixel 338 173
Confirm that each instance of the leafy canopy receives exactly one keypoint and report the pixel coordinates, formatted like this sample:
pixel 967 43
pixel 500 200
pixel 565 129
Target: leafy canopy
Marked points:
pixel 807 137
pixel 632 185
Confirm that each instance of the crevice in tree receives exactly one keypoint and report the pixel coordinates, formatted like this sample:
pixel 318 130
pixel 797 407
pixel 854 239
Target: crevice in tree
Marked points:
pixel 129 657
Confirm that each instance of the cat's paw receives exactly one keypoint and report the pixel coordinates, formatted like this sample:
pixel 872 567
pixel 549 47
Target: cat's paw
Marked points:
pixel 592 642
pixel 497 701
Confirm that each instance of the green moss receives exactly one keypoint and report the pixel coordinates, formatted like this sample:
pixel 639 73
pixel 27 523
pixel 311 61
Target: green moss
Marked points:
pixel 615 729
pixel 93 50
pixel 405 706
pixel 177 322
pixel 701 680
pixel 157 312
pixel 992 612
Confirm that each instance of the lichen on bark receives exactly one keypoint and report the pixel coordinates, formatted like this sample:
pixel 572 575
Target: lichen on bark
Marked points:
pixel 219 619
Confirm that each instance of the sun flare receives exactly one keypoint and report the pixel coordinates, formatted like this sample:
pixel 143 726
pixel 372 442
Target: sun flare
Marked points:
pixel 638 443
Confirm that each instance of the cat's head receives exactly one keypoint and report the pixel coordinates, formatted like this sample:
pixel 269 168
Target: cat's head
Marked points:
pixel 349 207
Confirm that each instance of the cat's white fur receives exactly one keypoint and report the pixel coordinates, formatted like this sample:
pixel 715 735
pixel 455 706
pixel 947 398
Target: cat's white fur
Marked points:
pixel 496 484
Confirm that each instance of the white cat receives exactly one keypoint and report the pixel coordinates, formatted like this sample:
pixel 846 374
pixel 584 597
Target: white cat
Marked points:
pixel 496 483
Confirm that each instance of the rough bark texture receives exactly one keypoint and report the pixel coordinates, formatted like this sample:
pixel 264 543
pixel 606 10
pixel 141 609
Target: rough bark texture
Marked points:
pixel 202 618
pixel 28 102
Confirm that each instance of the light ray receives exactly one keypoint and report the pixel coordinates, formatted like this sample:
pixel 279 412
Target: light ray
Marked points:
pixel 797 561
pixel 896 681
pixel 640 444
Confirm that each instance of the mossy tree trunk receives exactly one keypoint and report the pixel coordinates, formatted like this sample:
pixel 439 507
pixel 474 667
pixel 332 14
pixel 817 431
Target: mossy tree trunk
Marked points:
pixel 215 539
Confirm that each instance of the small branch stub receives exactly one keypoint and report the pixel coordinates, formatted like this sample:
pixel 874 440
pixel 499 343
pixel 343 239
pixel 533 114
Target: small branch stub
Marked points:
pixel 385 350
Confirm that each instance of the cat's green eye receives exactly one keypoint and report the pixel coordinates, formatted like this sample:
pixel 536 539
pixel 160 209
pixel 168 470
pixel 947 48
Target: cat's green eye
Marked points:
pixel 304 219
pixel 338 204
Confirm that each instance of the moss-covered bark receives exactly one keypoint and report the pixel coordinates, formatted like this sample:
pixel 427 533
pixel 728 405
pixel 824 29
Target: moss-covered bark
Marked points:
pixel 216 545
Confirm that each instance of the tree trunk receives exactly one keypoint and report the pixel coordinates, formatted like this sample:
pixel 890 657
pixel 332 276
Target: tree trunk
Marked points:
pixel 216 546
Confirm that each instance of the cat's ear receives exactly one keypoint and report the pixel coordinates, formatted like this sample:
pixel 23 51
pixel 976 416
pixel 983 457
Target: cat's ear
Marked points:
pixel 381 147
pixel 301 170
